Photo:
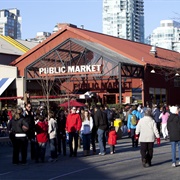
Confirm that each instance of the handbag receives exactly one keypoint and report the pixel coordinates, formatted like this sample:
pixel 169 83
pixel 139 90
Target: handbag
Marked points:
pixel 11 135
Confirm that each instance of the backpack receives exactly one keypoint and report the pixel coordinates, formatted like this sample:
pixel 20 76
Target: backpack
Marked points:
pixel 133 119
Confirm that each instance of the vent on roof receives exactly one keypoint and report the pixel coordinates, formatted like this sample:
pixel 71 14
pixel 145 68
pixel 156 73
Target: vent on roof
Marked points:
pixel 153 51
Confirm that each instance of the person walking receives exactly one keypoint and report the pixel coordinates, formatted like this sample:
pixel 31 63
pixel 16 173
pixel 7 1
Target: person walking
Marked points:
pixel 156 113
pixel 61 132
pixel 112 139
pixel 52 131
pixel 29 118
pixel 41 129
pixel 73 126
pixel 101 123
pixel 132 127
pixel 173 126
pixel 18 126
pixel 164 117
pixel 147 130
pixel 86 129
pixel 94 132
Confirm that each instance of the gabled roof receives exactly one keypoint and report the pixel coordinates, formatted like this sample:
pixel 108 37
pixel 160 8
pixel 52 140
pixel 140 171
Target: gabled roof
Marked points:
pixel 111 55
pixel 138 52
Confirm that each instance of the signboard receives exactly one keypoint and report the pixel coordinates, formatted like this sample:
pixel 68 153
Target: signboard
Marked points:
pixel 70 70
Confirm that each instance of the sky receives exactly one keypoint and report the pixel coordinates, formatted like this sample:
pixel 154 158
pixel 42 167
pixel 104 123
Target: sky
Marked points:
pixel 43 15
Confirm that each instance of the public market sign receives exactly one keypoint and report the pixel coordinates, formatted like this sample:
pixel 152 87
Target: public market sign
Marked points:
pixel 70 70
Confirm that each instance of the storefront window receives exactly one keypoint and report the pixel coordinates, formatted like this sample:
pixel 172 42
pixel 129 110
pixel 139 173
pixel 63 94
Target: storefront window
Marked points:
pixel 158 95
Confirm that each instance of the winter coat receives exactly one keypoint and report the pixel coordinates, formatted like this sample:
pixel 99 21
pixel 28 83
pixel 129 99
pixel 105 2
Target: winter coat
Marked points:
pixel 52 128
pixel 164 117
pixel 138 116
pixel 112 138
pixel 173 126
pixel 29 118
pixel 15 126
pixel 41 129
pixel 73 122
pixel 61 122
pixel 147 129
pixel 87 126
pixel 156 113
pixel 101 121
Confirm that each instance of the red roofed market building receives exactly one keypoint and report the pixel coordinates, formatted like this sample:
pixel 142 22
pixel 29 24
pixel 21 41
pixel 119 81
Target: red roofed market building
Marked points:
pixel 78 60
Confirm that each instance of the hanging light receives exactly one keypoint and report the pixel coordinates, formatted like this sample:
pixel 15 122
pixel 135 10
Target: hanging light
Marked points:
pixel 152 71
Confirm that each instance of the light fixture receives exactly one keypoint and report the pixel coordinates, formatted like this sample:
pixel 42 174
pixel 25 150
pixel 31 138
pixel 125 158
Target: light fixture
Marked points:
pixel 152 71
pixel 177 74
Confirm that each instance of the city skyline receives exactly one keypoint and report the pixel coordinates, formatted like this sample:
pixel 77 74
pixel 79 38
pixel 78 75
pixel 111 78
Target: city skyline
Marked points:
pixel 43 15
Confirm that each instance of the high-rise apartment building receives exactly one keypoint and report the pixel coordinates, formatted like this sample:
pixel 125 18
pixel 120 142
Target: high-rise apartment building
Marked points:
pixel 124 19
pixel 10 23
pixel 167 35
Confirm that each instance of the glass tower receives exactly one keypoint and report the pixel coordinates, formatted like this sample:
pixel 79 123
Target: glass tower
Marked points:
pixel 10 23
pixel 124 19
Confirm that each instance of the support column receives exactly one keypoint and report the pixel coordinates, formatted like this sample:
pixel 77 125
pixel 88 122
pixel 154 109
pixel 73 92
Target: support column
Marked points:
pixel 120 80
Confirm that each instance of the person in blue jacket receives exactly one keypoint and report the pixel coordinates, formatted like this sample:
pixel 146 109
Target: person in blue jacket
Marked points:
pixel 131 127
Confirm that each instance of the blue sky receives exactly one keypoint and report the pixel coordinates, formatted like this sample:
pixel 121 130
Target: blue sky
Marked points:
pixel 43 15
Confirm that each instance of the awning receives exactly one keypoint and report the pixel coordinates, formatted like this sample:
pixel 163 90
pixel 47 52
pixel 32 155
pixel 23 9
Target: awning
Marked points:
pixel 4 83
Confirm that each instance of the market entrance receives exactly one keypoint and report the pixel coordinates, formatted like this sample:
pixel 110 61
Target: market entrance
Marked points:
pixel 77 66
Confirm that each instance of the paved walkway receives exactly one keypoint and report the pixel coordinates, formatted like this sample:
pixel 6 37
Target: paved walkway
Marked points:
pixel 124 164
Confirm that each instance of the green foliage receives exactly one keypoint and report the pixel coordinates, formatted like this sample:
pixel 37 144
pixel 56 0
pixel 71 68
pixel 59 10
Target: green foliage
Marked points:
pixel 116 106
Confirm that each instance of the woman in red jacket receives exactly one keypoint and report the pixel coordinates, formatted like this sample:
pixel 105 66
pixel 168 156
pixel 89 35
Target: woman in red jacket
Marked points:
pixel 112 139
pixel 41 129
pixel 73 126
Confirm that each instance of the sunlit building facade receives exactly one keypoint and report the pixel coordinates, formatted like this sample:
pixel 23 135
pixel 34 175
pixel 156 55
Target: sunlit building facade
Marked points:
pixel 10 23
pixel 167 35
pixel 124 19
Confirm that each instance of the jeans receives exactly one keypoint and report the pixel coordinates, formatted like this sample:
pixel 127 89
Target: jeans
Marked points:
pixel 173 150
pixel 112 148
pixel 86 141
pixel 40 151
pixel 93 139
pixel 53 148
pixel 62 143
pixel 101 140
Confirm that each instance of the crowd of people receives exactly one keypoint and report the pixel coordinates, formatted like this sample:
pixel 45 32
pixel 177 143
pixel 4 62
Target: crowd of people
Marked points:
pixel 86 127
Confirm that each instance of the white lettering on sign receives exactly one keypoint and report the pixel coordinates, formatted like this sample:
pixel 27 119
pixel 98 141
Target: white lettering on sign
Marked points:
pixel 70 69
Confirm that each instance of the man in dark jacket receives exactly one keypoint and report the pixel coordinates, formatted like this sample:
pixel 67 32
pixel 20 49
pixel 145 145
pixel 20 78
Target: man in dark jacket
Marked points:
pixel 61 132
pixel 29 118
pixel 173 126
pixel 156 113
pixel 101 124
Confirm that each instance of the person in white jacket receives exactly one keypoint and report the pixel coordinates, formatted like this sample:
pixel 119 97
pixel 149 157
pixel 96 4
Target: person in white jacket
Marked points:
pixel 52 131
pixel 147 130
pixel 86 129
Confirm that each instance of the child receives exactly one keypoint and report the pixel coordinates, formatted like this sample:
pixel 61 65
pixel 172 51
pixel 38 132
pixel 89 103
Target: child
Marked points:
pixel 112 139
pixel 41 129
